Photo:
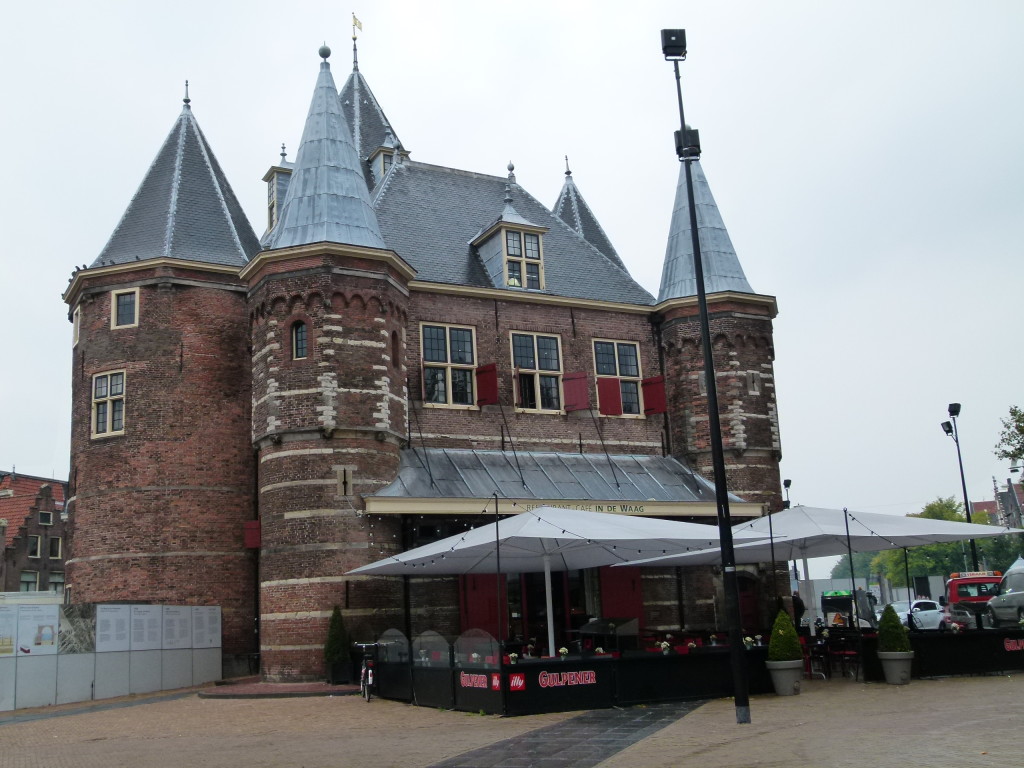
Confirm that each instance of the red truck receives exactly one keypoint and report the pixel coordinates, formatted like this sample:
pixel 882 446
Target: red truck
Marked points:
pixel 967 594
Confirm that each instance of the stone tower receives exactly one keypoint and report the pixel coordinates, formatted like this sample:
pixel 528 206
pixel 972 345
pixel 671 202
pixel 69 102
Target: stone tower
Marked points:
pixel 741 333
pixel 160 481
pixel 327 311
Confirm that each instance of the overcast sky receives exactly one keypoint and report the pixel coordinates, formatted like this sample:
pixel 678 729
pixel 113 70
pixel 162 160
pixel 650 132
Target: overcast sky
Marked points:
pixel 866 158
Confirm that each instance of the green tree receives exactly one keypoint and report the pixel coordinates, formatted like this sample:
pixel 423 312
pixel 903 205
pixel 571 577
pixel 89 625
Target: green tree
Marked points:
pixel 1011 439
pixel 861 566
pixel 933 559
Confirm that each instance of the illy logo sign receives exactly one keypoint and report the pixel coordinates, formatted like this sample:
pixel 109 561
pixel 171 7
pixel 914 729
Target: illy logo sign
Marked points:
pixel 517 682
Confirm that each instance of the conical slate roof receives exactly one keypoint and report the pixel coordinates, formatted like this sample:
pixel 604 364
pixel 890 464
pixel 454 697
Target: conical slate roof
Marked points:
pixel 327 198
pixel 722 270
pixel 370 127
pixel 184 208
pixel 574 211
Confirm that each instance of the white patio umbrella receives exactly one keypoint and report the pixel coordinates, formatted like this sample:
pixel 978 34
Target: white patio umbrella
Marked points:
pixel 814 532
pixel 551 539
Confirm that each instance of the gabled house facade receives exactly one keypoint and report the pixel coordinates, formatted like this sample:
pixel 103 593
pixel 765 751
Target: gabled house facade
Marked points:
pixel 34 541
pixel 406 348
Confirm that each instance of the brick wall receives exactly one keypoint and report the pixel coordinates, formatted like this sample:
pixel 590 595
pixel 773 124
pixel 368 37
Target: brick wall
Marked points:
pixel 328 428
pixel 157 512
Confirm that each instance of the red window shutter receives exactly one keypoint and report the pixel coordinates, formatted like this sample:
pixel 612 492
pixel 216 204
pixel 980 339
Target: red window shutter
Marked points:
pixel 609 396
pixel 654 395
pixel 487 384
pixel 577 391
pixel 251 534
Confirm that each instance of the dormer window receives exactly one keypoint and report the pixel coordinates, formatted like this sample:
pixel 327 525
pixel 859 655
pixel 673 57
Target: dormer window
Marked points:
pixel 272 203
pixel 523 264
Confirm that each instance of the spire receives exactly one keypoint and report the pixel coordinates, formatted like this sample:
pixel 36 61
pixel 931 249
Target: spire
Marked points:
pixel 370 127
pixel 184 208
pixel 722 270
pixel 574 211
pixel 327 198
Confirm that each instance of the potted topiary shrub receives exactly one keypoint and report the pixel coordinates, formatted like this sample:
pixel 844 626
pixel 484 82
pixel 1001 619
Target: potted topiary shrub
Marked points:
pixel 337 654
pixel 894 648
pixel 785 656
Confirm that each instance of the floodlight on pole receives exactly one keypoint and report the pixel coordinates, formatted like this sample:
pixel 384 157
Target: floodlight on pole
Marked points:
pixel 949 427
pixel 687 140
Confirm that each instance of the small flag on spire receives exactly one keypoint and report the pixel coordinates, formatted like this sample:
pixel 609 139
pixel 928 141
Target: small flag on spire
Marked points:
pixel 356 24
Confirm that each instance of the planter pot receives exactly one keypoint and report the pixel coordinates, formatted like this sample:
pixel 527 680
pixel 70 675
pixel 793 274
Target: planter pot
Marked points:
pixel 786 676
pixel 896 666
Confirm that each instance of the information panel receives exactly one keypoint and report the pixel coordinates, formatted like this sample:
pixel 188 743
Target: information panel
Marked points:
pixel 146 623
pixel 177 627
pixel 206 626
pixel 112 624
pixel 37 629
pixel 8 630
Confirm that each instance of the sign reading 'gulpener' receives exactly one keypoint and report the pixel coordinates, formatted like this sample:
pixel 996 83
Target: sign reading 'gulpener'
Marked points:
pixel 555 679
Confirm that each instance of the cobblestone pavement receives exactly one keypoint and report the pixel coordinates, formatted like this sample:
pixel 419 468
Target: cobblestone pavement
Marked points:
pixel 835 723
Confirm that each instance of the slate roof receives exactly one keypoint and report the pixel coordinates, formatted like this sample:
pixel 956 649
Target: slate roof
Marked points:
pixel 184 208
pixel 370 127
pixel 327 200
pixel 574 211
pixel 722 270
pixel 428 215
pixel 466 473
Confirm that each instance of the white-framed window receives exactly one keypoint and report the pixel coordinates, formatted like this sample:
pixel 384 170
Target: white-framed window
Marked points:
pixel 300 340
pixel 537 359
pixel 124 308
pixel 108 404
pixel 45 517
pixel 29 581
pixel 57 583
pixel 449 364
pixel 524 264
pixel 619 361
pixel 76 325
pixel 272 202
pixel 55 547
pixel 34 544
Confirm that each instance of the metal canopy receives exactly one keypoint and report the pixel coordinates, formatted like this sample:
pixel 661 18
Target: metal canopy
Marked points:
pixel 464 473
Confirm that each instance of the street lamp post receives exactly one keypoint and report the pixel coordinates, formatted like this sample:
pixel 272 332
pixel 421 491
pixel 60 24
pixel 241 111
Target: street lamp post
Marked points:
pixel 949 427
pixel 673 46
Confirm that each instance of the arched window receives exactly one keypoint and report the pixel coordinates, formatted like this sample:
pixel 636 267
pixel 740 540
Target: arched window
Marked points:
pixel 396 350
pixel 299 341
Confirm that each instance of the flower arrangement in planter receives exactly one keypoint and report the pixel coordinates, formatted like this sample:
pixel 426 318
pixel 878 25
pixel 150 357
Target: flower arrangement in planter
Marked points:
pixel 691 645
pixel 713 639
pixel 475 658
pixel 785 656
pixel 513 658
pixel 894 649
pixel 758 639
pixel 528 653
pixel 563 652
pixel 748 642
pixel 599 650
pixel 665 647
pixel 337 653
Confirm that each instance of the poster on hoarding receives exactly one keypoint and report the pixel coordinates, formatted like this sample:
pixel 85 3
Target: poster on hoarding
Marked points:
pixel 177 627
pixel 8 630
pixel 146 627
pixel 206 626
pixel 112 625
pixel 37 630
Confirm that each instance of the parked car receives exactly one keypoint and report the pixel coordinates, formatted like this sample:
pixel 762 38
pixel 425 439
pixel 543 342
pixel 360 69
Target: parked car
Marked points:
pixel 1007 607
pixel 927 614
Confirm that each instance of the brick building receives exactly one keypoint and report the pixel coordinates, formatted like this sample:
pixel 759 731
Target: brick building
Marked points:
pixel 255 417
pixel 33 533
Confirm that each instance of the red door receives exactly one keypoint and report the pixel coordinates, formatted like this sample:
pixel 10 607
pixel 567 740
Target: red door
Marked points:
pixel 479 597
pixel 621 593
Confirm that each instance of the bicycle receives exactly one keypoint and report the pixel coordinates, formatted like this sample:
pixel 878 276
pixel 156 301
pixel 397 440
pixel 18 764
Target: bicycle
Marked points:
pixel 366 671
